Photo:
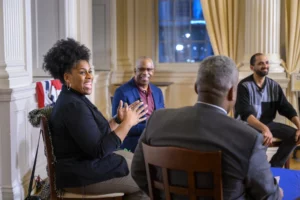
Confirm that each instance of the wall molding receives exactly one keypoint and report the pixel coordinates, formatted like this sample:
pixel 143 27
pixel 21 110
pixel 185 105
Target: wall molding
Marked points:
pixel 174 77
pixel 8 95
pixel 46 30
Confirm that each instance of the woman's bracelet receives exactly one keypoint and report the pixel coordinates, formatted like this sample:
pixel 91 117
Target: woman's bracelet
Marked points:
pixel 117 120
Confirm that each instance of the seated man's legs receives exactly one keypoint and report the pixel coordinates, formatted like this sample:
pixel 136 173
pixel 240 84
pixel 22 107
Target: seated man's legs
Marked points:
pixel 287 135
pixel 124 184
pixel 130 143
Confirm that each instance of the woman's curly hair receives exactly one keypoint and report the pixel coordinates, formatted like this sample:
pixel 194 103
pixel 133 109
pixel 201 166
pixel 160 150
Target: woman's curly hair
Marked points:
pixel 63 56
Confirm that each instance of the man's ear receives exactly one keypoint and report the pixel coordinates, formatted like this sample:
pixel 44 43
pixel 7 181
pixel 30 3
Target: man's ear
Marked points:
pixel 251 67
pixel 230 94
pixel 195 88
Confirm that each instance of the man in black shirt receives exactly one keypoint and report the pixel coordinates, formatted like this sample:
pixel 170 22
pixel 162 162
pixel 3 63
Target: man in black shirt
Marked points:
pixel 258 100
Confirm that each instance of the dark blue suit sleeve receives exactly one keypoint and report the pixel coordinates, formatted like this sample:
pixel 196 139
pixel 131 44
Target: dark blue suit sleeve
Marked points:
pixel 137 129
pixel 84 130
pixel 260 183
pixel 118 96
pixel 161 99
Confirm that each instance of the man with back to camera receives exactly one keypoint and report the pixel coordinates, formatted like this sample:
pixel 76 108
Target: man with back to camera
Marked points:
pixel 245 169
pixel 258 100
pixel 139 88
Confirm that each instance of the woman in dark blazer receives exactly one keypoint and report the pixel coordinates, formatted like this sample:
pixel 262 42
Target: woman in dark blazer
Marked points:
pixel 85 143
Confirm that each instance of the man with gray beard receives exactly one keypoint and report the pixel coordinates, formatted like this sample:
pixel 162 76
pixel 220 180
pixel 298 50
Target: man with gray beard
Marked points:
pixel 258 100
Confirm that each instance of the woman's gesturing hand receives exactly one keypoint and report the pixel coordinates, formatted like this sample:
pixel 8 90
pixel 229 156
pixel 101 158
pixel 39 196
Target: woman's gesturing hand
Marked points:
pixel 129 115
pixel 121 109
pixel 134 113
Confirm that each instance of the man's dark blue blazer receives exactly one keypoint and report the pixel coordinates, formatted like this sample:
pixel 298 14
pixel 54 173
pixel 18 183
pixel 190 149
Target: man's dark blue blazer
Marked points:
pixel 129 93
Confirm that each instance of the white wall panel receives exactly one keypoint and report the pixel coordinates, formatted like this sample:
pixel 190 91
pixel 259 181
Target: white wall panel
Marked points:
pixel 101 34
pixel 46 31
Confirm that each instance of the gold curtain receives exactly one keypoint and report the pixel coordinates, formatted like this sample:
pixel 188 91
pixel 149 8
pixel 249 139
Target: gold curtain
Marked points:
pixel 225 26
pixel 292 42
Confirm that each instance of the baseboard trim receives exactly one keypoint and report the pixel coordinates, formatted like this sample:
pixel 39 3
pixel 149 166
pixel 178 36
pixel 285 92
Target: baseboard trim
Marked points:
pixel 12 192
pixel 6 193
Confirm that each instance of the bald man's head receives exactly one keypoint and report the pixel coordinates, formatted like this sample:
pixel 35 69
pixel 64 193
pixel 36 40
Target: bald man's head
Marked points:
pixel 144 70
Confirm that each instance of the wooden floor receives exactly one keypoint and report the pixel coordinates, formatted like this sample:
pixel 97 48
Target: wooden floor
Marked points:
pixel 295 164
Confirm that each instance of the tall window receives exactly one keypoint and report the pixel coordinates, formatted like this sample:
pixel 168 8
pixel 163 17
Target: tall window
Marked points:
pixel 182 32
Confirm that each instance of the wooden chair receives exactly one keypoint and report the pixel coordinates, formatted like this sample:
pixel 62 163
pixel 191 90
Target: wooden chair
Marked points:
pixel 276 143
pixel 173 158
pixel 295 152
pixel 51 172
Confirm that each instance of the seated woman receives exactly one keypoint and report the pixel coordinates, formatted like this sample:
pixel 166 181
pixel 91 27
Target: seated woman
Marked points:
pixel 85 143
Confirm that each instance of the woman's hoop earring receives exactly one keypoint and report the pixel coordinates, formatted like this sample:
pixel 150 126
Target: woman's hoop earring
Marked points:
pixel 69 86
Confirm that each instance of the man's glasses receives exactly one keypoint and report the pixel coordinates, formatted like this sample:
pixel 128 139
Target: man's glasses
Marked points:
pixel 145 69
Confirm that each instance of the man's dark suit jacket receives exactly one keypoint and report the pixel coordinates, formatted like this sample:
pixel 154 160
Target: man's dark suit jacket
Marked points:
pixel 129 93
pixel 83 143
pixel 245 169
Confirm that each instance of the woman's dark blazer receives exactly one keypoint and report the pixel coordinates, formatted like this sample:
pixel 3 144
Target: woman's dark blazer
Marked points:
pixel 83 143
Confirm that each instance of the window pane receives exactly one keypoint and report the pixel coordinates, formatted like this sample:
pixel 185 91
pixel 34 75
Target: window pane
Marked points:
pixel 165 10
pixel 182 10
pixel 199 32
pixel 167 53
pixel 166 33
pixel 182 32
pixel 197 10
pixel 200 51
pixel 183 51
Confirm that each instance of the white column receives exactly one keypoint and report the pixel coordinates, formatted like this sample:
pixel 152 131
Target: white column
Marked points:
pixel 18 142
pixel 17 98
pixel 14 41
pixel 71 18
pixel 262 32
